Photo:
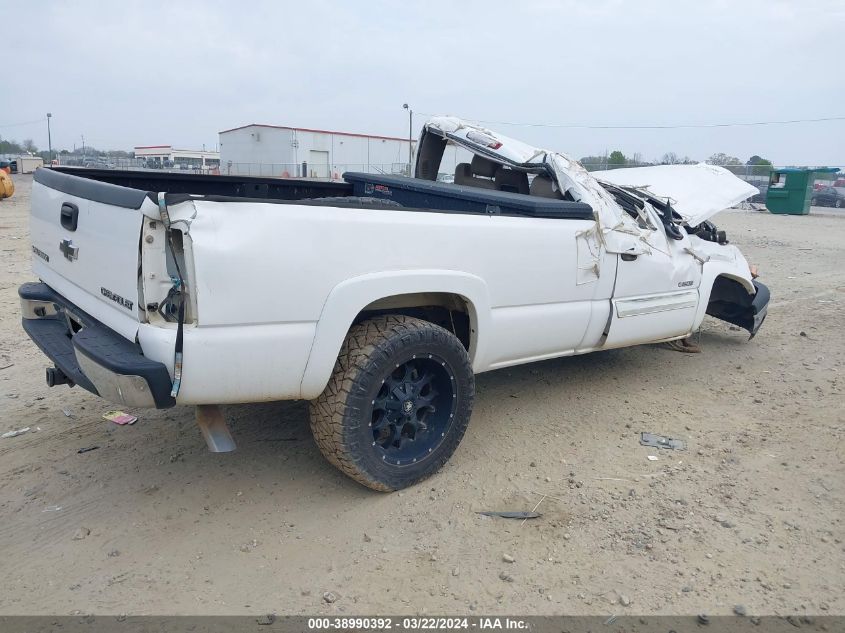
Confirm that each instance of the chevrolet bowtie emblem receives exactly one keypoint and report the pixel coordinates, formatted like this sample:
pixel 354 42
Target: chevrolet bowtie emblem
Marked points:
pixel 70 251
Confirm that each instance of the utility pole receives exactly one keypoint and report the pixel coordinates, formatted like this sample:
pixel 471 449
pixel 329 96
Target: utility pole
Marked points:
pixel 49 139
pixel 83 144
pixel 410 137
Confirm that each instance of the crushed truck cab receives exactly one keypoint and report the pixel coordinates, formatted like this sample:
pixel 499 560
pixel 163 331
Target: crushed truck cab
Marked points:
pixel 377 298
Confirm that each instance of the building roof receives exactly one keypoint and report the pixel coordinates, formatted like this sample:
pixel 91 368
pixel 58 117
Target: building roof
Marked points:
pixel 306 129
pixel 175 150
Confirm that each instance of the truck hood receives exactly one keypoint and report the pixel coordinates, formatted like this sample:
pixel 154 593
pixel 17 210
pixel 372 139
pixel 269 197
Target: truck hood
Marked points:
pixel 697 192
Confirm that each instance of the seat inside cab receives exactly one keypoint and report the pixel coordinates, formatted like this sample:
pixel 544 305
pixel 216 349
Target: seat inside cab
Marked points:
pixel 485 174
pixel 479 173
pixel 544 187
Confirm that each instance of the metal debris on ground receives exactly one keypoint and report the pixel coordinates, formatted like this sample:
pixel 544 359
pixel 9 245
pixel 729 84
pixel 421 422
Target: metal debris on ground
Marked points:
pixel 15 433
pixel 87 449
pixel 68 413
pixel 651 458
pixel 686 345
pixel 660 441
pixel 511 515
pixel 120 417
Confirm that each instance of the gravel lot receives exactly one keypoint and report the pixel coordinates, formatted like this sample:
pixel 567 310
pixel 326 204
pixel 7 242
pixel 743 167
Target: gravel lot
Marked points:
pixel 751 514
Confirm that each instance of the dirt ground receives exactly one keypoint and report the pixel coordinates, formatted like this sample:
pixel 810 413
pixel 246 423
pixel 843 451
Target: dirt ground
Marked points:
pixel 752 514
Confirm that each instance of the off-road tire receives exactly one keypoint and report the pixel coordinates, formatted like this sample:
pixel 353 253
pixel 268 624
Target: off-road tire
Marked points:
pixel 341 415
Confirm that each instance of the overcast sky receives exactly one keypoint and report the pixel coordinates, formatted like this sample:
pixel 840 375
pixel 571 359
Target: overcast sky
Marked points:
pixel 146 73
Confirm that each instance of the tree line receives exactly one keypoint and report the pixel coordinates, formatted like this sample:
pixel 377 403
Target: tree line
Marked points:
pixel 756 165
pixel 27 146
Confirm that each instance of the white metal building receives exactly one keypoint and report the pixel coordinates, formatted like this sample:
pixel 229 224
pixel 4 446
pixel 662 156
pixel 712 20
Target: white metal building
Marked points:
pixel 282 151
pixel 28 164
pixel 191 158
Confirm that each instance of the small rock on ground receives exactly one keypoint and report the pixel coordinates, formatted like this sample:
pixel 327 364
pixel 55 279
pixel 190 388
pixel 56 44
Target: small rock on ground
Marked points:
pixel 81 533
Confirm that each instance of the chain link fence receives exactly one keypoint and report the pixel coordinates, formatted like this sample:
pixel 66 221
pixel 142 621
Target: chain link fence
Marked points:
pixel 319 171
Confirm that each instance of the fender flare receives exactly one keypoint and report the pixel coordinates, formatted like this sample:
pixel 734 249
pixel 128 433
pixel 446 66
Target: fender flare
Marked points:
pixel 349 297
pixel 710 271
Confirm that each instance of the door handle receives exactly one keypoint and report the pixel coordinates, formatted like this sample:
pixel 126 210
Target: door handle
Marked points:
pixel 628 257
pixel 69 216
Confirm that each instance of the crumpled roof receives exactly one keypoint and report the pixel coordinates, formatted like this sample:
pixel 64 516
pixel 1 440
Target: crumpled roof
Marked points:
pixel 619 231
pixel 697 192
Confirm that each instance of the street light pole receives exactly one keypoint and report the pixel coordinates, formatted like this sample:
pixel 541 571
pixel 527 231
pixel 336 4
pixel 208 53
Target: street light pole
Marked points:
pixel 49 139
pixel 410 138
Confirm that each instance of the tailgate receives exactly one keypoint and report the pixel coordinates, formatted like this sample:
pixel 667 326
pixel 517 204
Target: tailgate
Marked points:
pixel 86 242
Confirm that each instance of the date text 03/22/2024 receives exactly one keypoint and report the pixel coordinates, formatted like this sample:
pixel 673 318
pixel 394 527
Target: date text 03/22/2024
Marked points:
pixel 419 623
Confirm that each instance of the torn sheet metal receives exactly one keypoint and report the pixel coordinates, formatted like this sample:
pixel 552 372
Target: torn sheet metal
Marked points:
pixel 589 257
pixel 697 192
pixel 660 441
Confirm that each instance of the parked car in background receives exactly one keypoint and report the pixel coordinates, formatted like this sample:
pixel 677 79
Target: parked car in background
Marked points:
pixel 760 196
pixel 829 197
pixel 96 163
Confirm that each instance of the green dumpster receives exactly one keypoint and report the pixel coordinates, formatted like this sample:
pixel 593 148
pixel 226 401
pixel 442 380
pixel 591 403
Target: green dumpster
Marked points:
pixel 790 189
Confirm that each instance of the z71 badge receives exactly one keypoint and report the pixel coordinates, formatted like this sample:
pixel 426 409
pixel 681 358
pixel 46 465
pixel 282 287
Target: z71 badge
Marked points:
pixel 116 298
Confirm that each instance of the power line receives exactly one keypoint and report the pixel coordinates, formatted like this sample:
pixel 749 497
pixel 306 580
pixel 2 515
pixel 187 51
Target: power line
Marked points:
pixel 22 124
pixel 658 127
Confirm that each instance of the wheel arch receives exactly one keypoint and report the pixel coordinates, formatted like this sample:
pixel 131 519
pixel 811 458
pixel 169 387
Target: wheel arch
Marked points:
pixel 402 292
pixel 713 273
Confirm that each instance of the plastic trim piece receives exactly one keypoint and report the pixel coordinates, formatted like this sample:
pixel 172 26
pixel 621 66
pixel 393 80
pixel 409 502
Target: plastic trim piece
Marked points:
pixel 88 189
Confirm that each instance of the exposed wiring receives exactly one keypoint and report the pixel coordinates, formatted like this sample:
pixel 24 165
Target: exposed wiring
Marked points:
pixel 176 291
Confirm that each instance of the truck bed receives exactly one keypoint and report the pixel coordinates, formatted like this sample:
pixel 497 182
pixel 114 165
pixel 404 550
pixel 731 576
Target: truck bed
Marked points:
pixel 361 190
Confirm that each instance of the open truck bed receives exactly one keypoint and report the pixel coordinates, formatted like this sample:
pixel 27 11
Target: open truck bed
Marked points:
pixel 359 190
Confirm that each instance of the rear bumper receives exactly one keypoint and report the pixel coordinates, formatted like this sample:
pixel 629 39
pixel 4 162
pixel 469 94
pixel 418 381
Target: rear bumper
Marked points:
pixel 90 354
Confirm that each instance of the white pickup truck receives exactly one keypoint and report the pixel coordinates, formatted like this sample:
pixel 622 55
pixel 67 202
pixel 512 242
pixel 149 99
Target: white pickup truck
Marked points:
pixel 377 298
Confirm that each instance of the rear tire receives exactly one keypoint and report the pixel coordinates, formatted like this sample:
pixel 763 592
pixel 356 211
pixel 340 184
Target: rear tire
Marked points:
pixel 397 404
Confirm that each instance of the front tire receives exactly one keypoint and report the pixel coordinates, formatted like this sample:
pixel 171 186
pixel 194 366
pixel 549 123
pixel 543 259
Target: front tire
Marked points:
pixel 838 203
pixel 397 404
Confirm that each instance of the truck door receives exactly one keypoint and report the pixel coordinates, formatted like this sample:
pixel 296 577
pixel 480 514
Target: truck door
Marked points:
pixel 656 293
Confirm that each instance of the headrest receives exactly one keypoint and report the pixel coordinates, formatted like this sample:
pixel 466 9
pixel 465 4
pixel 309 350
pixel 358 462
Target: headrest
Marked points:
pixel 483 167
